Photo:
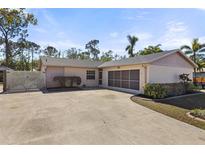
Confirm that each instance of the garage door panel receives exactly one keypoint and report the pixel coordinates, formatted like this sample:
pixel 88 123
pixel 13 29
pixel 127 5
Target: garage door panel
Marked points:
pixel 110 74
pixel 134 85
pixel 110 83
pixel 125 84
pixel 134 75
pixel 125 75
pixel 128 79
pixel 117 83
pixel 117 75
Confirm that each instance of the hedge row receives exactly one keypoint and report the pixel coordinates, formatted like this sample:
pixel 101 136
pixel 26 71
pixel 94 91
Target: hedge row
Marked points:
pixel 158 90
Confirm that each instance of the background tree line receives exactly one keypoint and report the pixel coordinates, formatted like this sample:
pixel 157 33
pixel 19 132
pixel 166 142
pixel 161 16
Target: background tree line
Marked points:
pixel 22 54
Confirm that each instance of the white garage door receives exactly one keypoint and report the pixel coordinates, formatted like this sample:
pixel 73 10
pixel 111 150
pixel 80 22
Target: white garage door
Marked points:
pixel 52 72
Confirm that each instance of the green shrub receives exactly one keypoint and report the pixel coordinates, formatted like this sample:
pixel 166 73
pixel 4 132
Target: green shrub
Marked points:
pixel 198 113
pixel 162 90
pixel 190 87
pixel 196 87
pixel 186 81
pixel 155 91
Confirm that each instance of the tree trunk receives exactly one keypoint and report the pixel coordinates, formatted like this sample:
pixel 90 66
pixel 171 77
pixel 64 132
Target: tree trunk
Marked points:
pixel 32 61
pixel 7 51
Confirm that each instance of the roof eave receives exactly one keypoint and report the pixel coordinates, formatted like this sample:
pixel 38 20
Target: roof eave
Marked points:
pixel 69 66
pixel 123 65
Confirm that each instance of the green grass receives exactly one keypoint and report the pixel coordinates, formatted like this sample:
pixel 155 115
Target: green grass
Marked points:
pixel 176 108
pixel 198 113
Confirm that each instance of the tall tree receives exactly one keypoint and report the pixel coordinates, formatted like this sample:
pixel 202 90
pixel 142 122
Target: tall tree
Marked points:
pixel 84 55
pixel 132 42
pixel 21 60
pixel 201 65
pixel 73 53
pixel 17 49
pixel 195 51
pixel 92 47
pixel 150 50
pixel 116 57
pixel 13 25
pixel 50 51
pixel 32 49
pixel 107 56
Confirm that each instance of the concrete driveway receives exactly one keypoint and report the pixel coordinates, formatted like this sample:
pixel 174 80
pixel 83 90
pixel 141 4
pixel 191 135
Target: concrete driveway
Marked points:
pixel 88 117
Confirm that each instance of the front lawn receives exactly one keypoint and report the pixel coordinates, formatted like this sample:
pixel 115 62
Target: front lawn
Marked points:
pixel 176 107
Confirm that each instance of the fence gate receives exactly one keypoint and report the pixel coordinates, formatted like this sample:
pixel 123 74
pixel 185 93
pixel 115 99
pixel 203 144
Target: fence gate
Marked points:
pixel 24 81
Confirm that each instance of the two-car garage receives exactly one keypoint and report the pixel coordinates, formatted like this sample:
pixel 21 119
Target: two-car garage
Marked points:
pixel 128 79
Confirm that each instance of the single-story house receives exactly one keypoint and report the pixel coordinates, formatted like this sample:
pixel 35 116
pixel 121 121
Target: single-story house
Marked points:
pixel 130 74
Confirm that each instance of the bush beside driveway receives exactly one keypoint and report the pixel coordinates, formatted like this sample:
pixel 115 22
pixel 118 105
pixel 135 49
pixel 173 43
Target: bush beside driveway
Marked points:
pixel 88 117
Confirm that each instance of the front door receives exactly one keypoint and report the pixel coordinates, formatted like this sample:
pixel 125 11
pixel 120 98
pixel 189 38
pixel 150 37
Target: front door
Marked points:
pixel 100 76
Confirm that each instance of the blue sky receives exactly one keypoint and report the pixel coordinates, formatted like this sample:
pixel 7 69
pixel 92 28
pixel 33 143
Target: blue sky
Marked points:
pixel 66 28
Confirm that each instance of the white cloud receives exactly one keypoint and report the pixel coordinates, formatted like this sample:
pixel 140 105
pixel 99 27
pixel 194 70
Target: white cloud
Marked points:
pixel 114 34
pixel 176 27
pixel 176 34
pixel 202 9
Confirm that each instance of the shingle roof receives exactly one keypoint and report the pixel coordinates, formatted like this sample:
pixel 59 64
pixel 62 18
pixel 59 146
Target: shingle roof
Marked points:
pixel 137 60
pixel 51 61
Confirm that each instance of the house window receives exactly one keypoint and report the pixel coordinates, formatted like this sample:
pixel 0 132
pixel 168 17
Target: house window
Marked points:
pixel 90 75
pixel 100 76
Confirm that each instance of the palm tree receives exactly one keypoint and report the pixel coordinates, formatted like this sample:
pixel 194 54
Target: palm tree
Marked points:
pixel 150 50
pixel 201 65
pixel 130 48
pixel 196 50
